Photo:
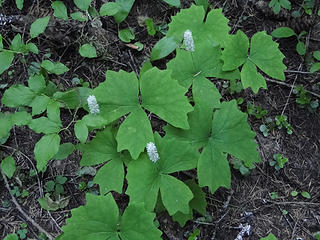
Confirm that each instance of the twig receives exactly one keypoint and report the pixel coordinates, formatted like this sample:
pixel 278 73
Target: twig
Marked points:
pixel 22 212
pixel 295 79
pixel 291 85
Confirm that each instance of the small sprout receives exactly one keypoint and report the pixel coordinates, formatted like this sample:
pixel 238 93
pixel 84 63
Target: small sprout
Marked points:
pixel 278 161
pixel 305 195
pixel 294 193
pixel 274 195
pixel 284 212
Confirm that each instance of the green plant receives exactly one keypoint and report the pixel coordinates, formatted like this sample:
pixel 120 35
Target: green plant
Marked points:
pixel 282 122
pixel 239 165
pixel 22 232
pixel 316 65
pixel 269 237
pixel 304 99
pixel 274 195
pixel 304 194
pixel 276 5
pixel 256 111
pixel 285 32
pixel 278 161
pixel 127 148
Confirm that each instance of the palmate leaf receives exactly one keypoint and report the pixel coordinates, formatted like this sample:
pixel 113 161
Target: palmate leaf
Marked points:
pixel 198 203
pixel 204 62
pixel 99 219
pixel 264 54
pixel 146 179
pixel 215 28
pixel 119 95
pixel 223 131
pixel 103 149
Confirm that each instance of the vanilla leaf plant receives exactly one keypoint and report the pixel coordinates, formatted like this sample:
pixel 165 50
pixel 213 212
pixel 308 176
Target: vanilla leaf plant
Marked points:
pixel 122 94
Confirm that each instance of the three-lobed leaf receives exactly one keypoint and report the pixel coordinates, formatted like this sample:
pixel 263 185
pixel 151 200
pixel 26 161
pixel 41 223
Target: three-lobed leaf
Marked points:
pixel 146 178
pixel 264 54
pixel 100 219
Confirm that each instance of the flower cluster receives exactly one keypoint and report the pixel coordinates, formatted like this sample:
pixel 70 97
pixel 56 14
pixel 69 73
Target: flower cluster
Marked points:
pixel 188 40
pixel 152 152
pixel 93 105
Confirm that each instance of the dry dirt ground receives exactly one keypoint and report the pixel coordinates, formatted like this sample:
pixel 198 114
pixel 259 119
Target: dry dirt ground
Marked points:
pixel 249 200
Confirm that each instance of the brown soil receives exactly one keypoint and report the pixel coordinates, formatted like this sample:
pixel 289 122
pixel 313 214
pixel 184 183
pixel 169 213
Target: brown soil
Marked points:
pixel 248 201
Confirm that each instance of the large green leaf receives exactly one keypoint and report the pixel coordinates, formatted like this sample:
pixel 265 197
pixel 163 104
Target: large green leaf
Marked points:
pixel 119 95
pixel 175 3
pixel 236 51
pixel 215 28
pixel 146 178
pixel 44 125
pixel 18 95
pixel 54 67
pixel 163 48
pixel 38 26
pixel 99 219
pixel 198 203
pixel 124 9
pixel 81 131
pixel 39 104
pixel 205 61
pixel 83 4
pixel 8 166
pixel 59 10
pixel 37 83
pixel 163 96
pixel 45 150
pixel 6 59
pixel 264 54
pixel 223 131
pixel 103 149
pixel 134 133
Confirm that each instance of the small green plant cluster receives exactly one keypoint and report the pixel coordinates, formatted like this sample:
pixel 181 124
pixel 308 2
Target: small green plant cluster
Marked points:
pixel 276 5
pixel 125 145
pixel 304 99
pixel 286 32
pixel 279 122
pixel 278 161
pixel 256 111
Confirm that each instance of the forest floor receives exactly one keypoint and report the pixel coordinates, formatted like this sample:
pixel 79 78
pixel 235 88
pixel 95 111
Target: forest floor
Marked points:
pixel 260 199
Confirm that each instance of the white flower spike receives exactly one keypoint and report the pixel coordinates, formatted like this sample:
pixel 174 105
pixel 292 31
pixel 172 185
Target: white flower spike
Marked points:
pixel 188 40
pixel 152 152
pixel 93 105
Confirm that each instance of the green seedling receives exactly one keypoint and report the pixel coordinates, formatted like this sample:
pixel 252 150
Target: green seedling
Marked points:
pixel 56 187
pixel 269 237
pixel 278 161
pixel 303 194
pixel 274 195
pixel 304 99
pixel 154 28
pixel 22 232
pixel 281 122
pixel 285 32
pixel 276 5
pixel 256 111
pixel 315 65
pixel 239 165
